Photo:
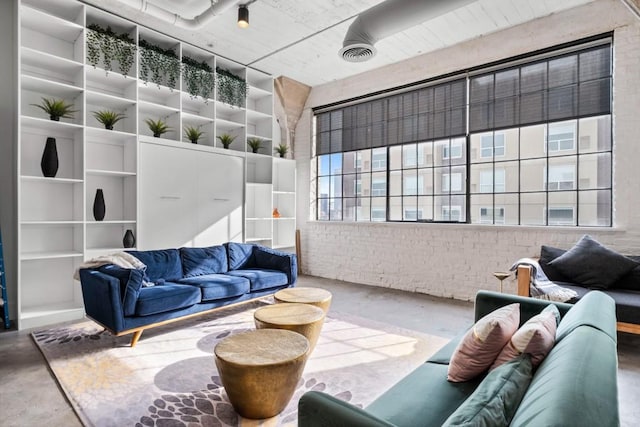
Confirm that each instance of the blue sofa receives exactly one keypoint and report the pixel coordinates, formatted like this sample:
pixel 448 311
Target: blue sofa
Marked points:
pixel 182 282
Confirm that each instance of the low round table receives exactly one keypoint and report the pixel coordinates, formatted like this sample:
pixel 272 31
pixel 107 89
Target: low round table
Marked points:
pixel 260 370
pixel 314 296
pixel 304 319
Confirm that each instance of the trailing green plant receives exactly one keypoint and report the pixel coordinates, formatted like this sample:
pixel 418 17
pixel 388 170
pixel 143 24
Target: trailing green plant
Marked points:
pixel 108 118
pixel 193 133
pixel 105 43
pixel 255 144
pixel 226 139
pixel 56 108
pixel 282 149
pixel 157 127
pixel 158 65
pixel 198 77
pixel 231 88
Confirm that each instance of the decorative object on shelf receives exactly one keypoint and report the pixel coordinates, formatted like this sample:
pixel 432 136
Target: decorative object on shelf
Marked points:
pixel 255 144
pixel 226 140
pixel 158 65
pixel 231 88
pixel 56 108
pixel 158 127
pixel 199 78
pixel 193 133
pixel 111 46
pixel 129 240
pixel 275 213
pixel 282 149
pixel 49 162
pixel 108 118
pixel 99 208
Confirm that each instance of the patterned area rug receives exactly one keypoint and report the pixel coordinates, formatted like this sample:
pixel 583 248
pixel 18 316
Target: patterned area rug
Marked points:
pixel 169 379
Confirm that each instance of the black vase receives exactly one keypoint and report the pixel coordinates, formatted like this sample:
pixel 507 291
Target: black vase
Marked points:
pixel 129 240
pixel 99 208
pixel 49 162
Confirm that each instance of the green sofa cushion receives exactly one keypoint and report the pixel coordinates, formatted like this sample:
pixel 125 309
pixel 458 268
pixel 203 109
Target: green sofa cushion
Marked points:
pixel 496 399
pixel 424 398
pixel 576 384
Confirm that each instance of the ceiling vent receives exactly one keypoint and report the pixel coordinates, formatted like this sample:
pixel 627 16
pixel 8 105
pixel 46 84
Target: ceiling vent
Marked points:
pixel 388 18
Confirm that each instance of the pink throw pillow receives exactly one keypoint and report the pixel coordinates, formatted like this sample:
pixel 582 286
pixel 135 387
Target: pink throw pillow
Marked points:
pixel 536 337
pixel 482 344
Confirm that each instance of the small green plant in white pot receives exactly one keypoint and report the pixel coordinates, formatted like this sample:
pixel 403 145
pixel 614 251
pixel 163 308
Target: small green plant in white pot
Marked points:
pixel 282 149
pixel 193 133
pixel 108 118
pixel 255 144
pixel 56 108
pixel 157 127
pixel 226 139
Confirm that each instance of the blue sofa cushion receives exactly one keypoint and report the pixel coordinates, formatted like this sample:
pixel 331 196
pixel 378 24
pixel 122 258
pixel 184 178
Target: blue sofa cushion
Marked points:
pixel 166 297
pixel 218 286
pixel 496 399
pixel 161 264
pixel 240 255
pixel 262 278
pixel 130 285
pixel 276 260
pixel 200 261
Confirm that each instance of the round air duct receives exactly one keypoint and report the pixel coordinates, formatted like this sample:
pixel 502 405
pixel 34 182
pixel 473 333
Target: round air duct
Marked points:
pixel 358 52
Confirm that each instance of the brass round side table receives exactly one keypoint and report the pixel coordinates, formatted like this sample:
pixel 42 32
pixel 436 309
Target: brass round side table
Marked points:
pixel 314 296
pixel 260 369
pixel 304 319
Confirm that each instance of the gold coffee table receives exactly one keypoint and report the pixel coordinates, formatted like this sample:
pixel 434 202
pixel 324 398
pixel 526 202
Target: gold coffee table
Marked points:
pixel 260 369
pixel 304 319
pixel 314 296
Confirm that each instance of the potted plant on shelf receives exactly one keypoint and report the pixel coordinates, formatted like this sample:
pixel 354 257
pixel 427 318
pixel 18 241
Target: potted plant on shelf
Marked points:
pixel 199 78
pixel 255 144
pixel 110 46
pixel 56 109
pixel 226 139
pixel 193 133
pixel 282 149
pixel 158 127
pixel 158 65
pixel 108 118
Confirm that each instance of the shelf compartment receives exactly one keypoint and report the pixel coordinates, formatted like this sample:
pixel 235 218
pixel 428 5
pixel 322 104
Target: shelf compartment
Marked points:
pixel 159 95
pixel 258 203
pixel 69 148
pixel 119 194
pixel 46 240
pixel 111 83
pixel 59 37
pixel 45 66
pixel 97 101
pixel 154 111
pixel 259 169
pixel 259 106
pixel 197 106
pixel 203 124
pixel 46 127
pixel 284 232
pixel 34 89
pixel 107 236
pixel 230 113
pixel 285 203
pixel 45 199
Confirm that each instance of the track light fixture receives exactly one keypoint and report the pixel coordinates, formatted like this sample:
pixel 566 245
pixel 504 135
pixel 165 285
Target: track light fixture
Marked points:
pixel 243 16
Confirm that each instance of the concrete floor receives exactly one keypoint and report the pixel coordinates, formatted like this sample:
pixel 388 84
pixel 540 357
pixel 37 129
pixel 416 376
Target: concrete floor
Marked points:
pixel 29 395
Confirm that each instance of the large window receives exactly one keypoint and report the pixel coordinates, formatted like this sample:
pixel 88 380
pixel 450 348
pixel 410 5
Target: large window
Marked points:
pixel 523 144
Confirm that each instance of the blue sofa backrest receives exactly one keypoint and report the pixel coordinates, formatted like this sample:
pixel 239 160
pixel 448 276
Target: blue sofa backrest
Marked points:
pixel 201 261
pixel 240 255
pixel 161 264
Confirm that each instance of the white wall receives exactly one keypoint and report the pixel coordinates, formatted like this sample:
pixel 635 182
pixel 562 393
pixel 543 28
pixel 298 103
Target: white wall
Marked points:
pixel 457 260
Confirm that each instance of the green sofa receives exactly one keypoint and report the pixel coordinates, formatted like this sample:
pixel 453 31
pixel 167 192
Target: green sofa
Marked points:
pixel 576 384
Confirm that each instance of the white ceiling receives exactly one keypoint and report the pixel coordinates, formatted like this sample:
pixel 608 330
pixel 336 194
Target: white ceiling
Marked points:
pixel 300 39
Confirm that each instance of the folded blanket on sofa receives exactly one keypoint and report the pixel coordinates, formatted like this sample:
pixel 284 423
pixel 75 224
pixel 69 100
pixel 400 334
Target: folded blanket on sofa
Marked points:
pixel 121 259
pixel 541 287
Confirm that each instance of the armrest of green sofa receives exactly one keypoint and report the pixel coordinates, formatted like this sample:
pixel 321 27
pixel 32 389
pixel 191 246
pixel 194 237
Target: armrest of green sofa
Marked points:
pixel 488 301
pixel 316 409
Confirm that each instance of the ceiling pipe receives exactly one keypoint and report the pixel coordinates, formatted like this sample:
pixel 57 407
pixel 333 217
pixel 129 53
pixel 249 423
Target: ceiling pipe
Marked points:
pixel 216 8
pixel 388 18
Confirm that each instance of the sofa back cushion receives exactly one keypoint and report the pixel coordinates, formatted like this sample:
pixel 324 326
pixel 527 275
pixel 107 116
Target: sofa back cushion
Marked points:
pixel 161 264
pixel 201 261
pixel 631 280
pixel 575 385
pixel 595 309
pixel 240 255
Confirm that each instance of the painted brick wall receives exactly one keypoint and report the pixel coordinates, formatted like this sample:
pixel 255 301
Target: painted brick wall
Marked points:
pixel 457 260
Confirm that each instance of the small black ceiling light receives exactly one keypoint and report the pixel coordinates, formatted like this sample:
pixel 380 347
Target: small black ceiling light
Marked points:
pixel 243 16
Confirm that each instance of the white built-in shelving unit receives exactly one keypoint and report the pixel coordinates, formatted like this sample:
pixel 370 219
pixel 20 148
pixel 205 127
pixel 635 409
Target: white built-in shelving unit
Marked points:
pixel 231 193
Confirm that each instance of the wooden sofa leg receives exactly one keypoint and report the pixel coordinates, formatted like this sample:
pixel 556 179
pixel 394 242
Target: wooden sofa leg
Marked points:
pixel 136 337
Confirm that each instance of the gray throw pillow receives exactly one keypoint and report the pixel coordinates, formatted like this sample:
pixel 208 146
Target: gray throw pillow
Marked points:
pixel 498 396
pixel 590 264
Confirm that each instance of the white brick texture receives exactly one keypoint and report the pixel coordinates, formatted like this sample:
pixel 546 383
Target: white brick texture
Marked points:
pixel 456 261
